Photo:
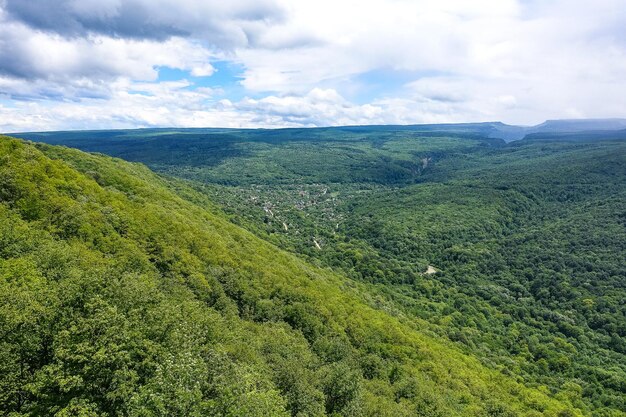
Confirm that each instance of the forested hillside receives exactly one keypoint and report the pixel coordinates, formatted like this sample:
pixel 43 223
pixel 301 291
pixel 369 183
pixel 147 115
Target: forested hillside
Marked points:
pixel 528 242
pixel 512 252
pixel 274 208
pixel 122 293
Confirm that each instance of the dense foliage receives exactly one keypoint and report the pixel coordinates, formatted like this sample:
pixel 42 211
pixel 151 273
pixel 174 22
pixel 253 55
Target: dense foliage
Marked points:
pixel 122 293
pixel 529 242
pixel 526 240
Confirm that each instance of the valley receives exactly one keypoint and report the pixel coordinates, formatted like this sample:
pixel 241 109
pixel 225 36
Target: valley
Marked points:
pixel 511 252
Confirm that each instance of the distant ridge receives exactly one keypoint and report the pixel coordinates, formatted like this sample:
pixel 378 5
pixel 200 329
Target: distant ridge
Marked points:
pixel 560 128
pixel 577 125
pixel 511 132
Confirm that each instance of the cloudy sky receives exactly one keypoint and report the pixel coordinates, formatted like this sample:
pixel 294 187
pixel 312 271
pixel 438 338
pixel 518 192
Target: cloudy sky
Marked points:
pixel 91 64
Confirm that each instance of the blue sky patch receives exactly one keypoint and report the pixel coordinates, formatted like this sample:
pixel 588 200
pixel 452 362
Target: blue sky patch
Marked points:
pixel 384 83
pixel 227 77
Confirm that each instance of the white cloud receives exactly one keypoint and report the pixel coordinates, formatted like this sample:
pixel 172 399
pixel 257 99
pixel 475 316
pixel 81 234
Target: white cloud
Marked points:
pixel 220 23
pixel 318 107
pixel 30 54
pixel 173 104
pixel 520 61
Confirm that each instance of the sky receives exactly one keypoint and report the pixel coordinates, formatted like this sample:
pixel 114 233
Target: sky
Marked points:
pixel 102 64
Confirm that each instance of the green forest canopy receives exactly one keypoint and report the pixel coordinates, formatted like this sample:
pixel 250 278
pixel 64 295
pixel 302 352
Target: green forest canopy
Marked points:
pixel 126 293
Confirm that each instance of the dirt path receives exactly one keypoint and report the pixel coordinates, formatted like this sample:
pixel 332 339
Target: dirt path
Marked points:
pixel 430 270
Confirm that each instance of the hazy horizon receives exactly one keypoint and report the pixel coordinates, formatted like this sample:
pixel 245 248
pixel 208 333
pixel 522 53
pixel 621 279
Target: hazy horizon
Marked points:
pixel 597 124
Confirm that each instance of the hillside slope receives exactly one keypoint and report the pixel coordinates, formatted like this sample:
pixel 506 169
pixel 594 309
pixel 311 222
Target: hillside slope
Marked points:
pixel 119 297
pixel 528 238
